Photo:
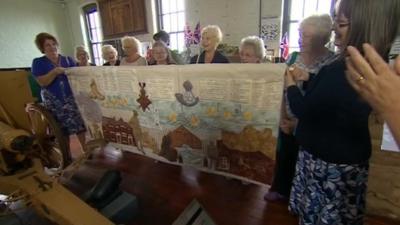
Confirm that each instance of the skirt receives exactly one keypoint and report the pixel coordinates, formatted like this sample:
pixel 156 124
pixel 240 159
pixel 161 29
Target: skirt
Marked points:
pixel 65 112
pixel 328 193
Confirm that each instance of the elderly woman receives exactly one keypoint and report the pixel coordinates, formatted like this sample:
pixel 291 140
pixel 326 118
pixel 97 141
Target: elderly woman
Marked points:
pixel 251 50
pixel 161 54
pixel 314 33
pixel 56 93
pixel 331 176
pixel 211 36
pixel 110 55
pixel 131 47
pixel 82 57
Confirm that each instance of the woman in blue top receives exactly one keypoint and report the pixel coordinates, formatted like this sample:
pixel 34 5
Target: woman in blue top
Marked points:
pixel 56 93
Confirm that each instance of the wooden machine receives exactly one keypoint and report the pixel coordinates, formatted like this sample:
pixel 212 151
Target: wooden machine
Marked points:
pixel 32 147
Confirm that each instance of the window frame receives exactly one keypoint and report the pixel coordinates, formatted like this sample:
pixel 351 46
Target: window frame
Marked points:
pixel 87 10
pixel 160 22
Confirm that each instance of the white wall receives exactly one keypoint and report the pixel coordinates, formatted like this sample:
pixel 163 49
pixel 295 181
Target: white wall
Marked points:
pixel 75 19
pixel 237 18
pixel 21 20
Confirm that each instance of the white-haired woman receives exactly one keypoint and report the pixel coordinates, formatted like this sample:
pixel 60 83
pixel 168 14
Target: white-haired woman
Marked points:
pixel 82 57
pixel 251 50
pixel 211 36
pixel 131 47
pixel 110 56
pixel 314 34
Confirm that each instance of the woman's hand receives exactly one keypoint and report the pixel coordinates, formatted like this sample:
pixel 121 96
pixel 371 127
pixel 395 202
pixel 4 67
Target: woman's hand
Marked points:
pixel 298 73
pixel 58 70
pixel 289 80
pixel 374 80
pixel 287 125
pixel 50 76
pixel 293 74
pixel 377 83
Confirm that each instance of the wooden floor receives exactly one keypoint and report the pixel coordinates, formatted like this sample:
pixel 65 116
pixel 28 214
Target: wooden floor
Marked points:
pixel 165 190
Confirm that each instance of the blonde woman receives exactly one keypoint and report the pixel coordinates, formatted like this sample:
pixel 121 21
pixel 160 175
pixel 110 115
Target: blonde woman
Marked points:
pixel 131 47
pixel 161 54
pixel 251 50
pixel 82 57
pixel 211 36
pixel 110 56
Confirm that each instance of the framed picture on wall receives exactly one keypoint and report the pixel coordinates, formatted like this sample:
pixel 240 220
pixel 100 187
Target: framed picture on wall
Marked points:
pixel 270 29
pixel 270 52
pixel 270 55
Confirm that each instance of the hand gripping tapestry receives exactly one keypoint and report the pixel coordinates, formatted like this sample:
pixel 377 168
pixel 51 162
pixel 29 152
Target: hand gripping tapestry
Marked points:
pixel 218 118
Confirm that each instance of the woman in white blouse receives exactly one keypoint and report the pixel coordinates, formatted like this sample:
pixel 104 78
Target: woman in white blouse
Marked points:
pixel 131 47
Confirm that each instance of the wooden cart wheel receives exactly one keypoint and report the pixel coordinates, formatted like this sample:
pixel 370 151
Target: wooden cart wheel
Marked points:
pixel 55 152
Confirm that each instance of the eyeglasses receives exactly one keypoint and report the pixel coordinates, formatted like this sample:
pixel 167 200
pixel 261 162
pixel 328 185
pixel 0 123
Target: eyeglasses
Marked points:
pixel 340 24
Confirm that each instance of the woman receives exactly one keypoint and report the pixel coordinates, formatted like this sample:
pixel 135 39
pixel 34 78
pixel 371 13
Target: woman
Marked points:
pixel 161 54
pixel 110 55
pixel 251 50
pixel 332 168
pixel 56 93
pixel 211 36
pixel 82 57
pixel 131 47
pixel 314 34
pixel 164 37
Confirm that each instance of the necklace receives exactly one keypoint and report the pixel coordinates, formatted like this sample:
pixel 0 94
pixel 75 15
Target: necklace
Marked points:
pixel 56 64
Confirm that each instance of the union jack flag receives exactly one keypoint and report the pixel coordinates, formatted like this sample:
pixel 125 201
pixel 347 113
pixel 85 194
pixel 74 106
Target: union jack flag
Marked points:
pixel 284 46
pixel 192 37
pixel 197 34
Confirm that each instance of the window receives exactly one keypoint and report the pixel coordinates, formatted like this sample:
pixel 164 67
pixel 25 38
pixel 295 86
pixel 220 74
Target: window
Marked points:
pixel 296 10
pixel 95 36
pixel 171 16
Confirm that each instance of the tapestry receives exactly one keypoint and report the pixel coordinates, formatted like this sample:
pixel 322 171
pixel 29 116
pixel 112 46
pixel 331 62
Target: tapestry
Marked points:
pixel 218 118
